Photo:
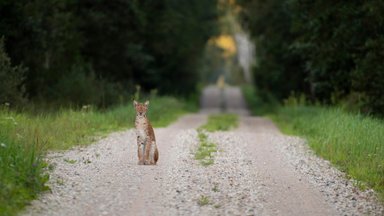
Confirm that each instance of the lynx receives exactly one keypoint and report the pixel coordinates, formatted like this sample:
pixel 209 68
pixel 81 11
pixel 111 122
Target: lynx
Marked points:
pixel 146 142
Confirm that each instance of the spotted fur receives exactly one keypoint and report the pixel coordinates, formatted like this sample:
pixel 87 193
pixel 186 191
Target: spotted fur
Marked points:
pixel 146 142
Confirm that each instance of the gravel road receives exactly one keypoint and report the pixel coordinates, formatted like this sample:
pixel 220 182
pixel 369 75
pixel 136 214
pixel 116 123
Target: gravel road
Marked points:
pixel 257 171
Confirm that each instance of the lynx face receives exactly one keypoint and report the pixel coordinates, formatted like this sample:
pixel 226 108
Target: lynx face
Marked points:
pixel 141 108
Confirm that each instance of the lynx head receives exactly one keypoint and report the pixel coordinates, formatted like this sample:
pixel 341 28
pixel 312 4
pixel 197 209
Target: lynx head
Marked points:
pixel 141 108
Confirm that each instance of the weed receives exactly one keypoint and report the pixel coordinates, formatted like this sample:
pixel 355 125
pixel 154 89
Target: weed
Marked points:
pixel 215 188
pixel 86 161
pixel 205 150
pixel 60 181
pixel 217 206
pixel 203 200
pixel 51 167
pixel 70 161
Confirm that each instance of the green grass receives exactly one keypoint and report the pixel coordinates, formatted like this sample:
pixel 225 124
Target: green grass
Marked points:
pixel 205 149
pixel 258 104
pixel 354 143
pixel 221 122
pixel 25 138
pixel 203 200
pixel 215 188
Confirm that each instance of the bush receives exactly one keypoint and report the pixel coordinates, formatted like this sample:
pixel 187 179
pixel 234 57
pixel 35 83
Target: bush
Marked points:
pixel 11 79
pixel 81 87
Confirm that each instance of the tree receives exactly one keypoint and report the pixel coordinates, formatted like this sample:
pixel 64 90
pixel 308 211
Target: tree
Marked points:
pixel 11 79
pixel 111 46
pixel 335 48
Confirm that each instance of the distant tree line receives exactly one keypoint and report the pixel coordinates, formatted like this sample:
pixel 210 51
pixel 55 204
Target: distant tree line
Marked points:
pixel 97 51
pixel 331 51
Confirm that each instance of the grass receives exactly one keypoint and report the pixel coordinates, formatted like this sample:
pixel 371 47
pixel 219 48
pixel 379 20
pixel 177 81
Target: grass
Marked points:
pixel 70 161
pixel 203 200
pixel 221 122
pixel 215 188
pixel 352 142
pixel 217 206
pixel 205 150
pixel 257 104
pixel 26 137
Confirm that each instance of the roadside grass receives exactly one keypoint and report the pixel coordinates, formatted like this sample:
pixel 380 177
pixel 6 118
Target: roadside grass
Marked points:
pixel 257 104
pixel 25 139
pixel 221 122
pixel 352 142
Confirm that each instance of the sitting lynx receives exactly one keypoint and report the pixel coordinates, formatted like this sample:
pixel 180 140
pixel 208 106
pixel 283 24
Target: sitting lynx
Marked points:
pixel 147 149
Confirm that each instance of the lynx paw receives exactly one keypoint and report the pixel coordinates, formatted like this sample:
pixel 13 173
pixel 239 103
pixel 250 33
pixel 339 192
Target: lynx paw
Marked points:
pixel 150 163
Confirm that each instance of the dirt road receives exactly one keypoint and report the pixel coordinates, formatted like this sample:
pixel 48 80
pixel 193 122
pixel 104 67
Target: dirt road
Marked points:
pixel 257 171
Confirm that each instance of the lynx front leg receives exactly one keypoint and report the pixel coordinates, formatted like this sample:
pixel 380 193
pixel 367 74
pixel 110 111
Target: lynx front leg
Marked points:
pixel 147 154
pixel 152 154
pixel 140 151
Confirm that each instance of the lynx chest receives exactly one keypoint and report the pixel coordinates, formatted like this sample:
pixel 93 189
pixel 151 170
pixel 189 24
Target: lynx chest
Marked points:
pixel 141 125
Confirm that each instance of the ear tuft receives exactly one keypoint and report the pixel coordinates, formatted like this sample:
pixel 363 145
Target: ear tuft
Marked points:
pixel 146 103
pixel 134 103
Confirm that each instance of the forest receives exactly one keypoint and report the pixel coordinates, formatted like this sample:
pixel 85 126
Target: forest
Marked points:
pixel 330 52
pixel 96 52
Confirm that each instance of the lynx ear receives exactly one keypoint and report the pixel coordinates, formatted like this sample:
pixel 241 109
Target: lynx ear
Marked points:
pixel 134 103
pixel 146 103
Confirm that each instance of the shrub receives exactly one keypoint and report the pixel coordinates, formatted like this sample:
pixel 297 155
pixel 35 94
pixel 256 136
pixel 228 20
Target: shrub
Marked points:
pixel 11 79
pixel 81 87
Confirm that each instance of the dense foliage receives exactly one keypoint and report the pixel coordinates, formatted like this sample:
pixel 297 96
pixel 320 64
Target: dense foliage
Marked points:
pixel 11 78
pixel 96 52
pixel 330 51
